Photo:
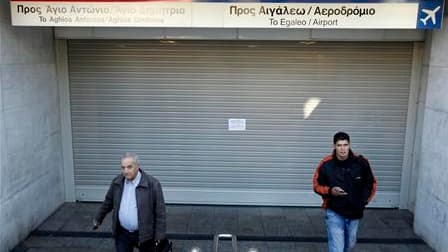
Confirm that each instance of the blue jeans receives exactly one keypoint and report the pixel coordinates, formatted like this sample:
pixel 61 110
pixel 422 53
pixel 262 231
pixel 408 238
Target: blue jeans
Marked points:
pixel 341 232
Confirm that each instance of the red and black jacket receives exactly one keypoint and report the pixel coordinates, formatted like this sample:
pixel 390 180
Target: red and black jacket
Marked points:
pixel 354 175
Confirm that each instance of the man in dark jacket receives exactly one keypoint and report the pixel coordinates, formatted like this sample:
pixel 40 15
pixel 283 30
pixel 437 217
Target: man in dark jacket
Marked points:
pixel 136 198
pixel 346 183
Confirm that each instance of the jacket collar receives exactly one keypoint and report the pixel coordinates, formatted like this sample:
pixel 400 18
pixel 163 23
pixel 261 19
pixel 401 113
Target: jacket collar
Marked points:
pixel 350 154
pixel 144 181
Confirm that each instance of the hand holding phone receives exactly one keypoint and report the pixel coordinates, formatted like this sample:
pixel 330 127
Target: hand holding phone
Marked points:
pixel 337 191
pixel 342 192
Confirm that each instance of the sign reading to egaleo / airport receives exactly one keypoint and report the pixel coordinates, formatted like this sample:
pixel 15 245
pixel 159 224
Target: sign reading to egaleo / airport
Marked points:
pixel 323 14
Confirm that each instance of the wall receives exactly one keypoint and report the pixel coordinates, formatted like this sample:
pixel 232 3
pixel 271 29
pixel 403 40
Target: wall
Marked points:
pixel 423 69
pixel 431 209
pixel 31 184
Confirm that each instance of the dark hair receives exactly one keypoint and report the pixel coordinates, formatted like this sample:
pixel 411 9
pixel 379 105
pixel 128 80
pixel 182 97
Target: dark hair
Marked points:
pixel 341 136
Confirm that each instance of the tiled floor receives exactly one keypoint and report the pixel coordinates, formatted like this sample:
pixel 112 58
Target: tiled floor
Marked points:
pixel 259 229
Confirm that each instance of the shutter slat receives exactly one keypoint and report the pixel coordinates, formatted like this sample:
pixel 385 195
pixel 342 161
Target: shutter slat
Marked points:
pixel 170 103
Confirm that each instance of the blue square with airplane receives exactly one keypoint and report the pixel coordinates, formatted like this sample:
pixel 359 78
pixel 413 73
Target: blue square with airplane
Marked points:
pixel 430 14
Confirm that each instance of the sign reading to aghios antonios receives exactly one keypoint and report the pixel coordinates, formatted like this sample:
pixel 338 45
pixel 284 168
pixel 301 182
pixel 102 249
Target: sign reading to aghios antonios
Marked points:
pixel 324 14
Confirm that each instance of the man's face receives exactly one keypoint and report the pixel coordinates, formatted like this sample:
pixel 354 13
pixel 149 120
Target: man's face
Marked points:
pixel 129 168
pixel 342 148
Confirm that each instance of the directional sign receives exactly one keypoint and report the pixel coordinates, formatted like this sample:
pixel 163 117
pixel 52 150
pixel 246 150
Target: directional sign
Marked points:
pixel 430 15
pixel 323 14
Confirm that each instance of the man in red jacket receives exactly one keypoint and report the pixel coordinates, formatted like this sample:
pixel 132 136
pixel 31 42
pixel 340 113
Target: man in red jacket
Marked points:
pixel 346 183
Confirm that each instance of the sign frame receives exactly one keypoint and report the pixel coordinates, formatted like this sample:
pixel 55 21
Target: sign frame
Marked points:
pixel 277 14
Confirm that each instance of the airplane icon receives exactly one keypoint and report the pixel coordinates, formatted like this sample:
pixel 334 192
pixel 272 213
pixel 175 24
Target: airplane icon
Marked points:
pixel 430 14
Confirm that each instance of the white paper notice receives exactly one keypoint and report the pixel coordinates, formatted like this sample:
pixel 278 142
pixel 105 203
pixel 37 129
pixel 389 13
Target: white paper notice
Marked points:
pixel 237 124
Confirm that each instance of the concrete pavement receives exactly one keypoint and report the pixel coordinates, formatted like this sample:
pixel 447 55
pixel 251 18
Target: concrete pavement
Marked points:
pixel 265 229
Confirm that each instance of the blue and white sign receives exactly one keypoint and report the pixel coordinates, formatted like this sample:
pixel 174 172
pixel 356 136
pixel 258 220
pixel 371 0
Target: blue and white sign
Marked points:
pixel 321 14
pixel 430 15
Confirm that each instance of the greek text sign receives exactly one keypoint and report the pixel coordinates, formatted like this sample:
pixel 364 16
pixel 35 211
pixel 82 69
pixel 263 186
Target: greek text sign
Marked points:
pixel 358 14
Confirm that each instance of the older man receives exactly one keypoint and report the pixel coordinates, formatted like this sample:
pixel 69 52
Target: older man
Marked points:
pixel 136 198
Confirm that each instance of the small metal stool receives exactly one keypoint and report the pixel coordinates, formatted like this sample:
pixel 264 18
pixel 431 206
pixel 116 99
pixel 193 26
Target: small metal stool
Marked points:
pixel 217 237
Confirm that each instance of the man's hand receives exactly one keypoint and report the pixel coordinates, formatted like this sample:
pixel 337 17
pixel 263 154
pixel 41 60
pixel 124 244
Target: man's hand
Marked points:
pixel 95 225
pixel 337 191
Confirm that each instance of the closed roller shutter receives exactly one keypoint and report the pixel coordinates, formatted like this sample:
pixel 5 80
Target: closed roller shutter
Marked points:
pixel 170 102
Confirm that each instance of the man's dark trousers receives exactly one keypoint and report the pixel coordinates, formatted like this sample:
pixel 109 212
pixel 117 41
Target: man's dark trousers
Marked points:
pixel 126 241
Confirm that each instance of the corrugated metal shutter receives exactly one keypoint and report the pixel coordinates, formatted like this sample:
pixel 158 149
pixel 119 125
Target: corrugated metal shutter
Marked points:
pixel 170 102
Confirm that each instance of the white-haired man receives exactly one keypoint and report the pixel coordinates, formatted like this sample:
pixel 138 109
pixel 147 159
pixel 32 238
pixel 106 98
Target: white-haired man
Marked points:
pixel 136 199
